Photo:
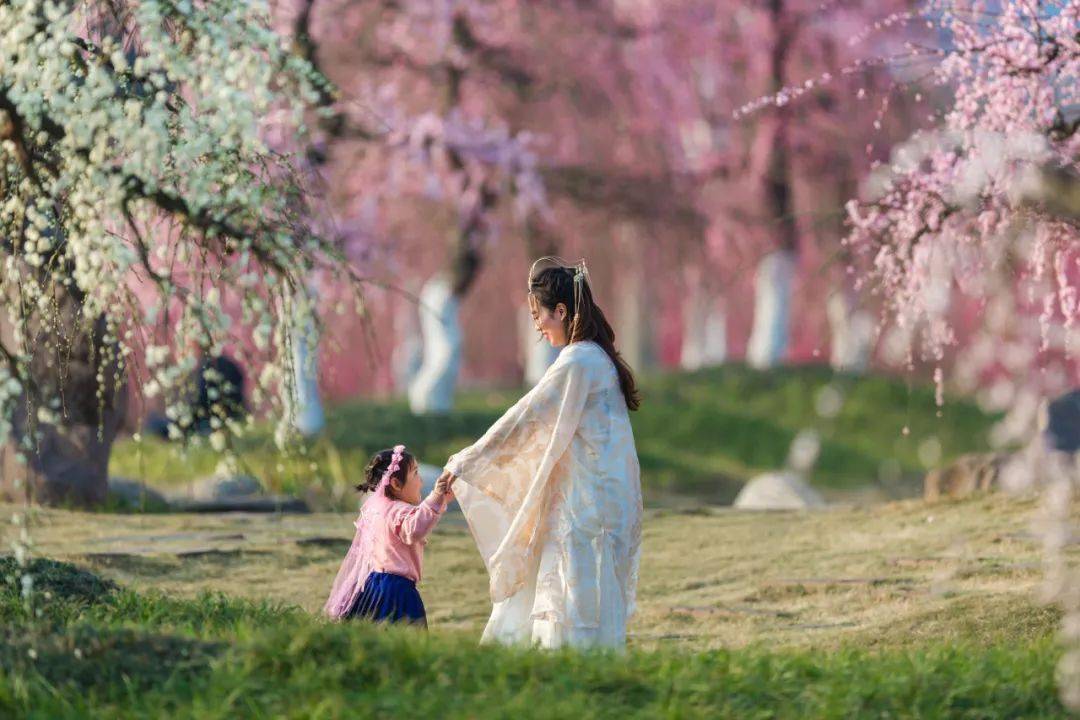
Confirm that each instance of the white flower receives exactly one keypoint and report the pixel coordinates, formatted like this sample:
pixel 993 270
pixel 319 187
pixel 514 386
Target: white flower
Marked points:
pixel 156 354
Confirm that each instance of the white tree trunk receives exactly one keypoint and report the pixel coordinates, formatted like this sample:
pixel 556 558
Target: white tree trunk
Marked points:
pixel 634 331
pixel 852 331
pixel 308 418
pixel 408 353
pixel 772 301
pixel 537 352
pixel 704 330
pixel 304 404
pixel 432 391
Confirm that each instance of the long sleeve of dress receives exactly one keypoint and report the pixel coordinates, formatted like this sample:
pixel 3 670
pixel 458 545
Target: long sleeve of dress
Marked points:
pixel 506 475
pixel 413 523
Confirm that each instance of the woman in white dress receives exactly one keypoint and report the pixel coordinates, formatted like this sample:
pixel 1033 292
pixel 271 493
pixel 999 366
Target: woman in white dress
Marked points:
pixel 552 491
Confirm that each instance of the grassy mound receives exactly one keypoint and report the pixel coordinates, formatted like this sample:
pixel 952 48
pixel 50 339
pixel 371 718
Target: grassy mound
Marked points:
pixel 51 580
pixel 106 661
pixel 704 433
pixel 55 635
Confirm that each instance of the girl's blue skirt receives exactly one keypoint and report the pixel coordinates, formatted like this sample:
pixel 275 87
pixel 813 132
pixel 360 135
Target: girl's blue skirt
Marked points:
pixel 389 598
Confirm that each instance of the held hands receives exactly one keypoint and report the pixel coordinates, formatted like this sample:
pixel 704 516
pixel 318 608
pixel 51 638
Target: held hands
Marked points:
pixel 443 486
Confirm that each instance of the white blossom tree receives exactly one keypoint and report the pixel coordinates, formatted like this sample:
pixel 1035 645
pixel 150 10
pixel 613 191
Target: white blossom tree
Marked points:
pixel 149 205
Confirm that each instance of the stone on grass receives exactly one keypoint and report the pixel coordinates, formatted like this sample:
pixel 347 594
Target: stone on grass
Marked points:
pixel 234 493
pixel 783 490
pixel 223 487
pixel 965 475
pixel 136 495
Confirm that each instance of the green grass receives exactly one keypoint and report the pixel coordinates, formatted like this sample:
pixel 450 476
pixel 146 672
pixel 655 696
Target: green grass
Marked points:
pixel 735 422
pixel 121 653
pixel 702 433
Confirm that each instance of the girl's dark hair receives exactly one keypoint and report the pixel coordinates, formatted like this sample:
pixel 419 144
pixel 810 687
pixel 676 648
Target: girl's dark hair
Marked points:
pixel 377 466
pixel 553 285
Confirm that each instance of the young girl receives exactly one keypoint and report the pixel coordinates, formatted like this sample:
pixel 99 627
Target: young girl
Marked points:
pixel 377 579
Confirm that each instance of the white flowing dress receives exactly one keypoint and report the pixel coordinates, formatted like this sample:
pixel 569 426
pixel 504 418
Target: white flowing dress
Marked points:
pixel 552 495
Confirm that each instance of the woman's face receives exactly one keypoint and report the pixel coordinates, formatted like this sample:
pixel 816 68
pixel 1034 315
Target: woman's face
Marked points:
pixel 549 322
pixel 410 490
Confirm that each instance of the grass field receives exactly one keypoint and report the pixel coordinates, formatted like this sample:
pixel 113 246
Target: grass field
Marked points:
pixel 897 610
pixel 702 433
pixel 866 609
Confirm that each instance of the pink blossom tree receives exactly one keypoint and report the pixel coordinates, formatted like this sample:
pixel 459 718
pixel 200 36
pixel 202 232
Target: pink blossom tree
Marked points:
pixel 403 128
pixel 677 185
pixel 770 178
pixel 428 132
pixel 979 211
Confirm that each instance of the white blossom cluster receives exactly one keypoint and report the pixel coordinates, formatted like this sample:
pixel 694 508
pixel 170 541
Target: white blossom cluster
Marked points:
pixel 142 174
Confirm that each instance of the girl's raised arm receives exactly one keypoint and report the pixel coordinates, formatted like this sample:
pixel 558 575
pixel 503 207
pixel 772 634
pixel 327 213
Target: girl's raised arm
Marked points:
pixel 412 523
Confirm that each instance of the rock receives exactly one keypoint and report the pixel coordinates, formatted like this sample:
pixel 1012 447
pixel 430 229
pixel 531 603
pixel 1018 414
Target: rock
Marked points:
pixel 1063 423
pixel 778 491
pixel 223 487
pixel 965 475
pixel 235 493
pixel 135 494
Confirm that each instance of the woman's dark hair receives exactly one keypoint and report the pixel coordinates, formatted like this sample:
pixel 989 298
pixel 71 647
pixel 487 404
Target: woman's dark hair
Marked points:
pixel 553 285
pixel 377 466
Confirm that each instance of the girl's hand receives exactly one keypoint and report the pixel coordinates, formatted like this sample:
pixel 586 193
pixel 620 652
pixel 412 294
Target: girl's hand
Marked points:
pixel 442 485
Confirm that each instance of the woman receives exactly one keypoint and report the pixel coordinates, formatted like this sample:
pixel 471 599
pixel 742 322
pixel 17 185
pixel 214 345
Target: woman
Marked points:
pixel 552 491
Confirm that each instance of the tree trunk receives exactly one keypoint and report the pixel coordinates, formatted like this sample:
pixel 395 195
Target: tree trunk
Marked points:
pixel 408 352
pixel 635 305
pixel 308 416
pixel 65 461
pixel 852 332
pixel 704 328
pixel 432 391
pixel 769 338
pixel 772 298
